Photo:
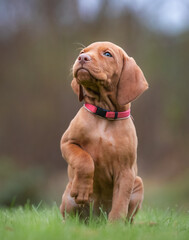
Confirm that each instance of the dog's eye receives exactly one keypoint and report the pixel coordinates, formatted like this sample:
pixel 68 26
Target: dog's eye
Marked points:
pixel 107 54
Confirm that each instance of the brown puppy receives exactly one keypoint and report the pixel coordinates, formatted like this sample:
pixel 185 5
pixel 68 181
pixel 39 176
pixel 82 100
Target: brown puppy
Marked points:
pixel 102 154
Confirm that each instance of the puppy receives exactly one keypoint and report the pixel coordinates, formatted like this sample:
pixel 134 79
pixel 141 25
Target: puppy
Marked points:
pixel 100 144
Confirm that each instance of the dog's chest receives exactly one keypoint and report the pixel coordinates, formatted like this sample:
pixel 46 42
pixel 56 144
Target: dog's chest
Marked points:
pixel 107 143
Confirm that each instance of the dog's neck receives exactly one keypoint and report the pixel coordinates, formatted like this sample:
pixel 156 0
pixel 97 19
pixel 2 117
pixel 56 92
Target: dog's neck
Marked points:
pixel 106 101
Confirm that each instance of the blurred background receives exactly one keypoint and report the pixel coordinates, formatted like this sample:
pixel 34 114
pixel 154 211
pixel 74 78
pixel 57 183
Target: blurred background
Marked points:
pixel 39 42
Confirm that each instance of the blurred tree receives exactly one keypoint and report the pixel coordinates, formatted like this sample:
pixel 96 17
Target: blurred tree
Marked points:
pixel 38 47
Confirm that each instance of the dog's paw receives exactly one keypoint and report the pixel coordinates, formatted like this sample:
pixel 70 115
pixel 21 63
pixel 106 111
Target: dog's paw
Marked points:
pixel 115 216
pixel 81 189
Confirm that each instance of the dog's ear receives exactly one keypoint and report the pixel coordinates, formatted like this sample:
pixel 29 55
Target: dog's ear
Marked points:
pixel 132 82
pixel 77 88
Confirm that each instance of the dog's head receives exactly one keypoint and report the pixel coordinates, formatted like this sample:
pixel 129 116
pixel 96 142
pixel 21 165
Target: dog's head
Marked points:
pixel 104 68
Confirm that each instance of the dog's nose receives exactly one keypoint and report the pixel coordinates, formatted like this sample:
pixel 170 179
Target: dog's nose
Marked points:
pixel 83 58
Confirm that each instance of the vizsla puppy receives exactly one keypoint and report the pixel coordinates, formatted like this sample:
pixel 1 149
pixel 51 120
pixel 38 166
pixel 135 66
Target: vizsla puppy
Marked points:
pixel 100 145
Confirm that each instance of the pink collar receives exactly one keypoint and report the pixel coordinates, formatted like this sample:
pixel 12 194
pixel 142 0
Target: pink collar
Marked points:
pixel 107 114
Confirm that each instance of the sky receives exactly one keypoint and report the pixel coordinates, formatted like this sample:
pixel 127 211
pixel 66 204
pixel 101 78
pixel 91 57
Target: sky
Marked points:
pixel 168 16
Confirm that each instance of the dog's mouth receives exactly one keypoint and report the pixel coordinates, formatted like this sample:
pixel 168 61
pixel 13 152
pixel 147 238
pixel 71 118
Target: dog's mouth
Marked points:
pixel 87 81
pixel 83 74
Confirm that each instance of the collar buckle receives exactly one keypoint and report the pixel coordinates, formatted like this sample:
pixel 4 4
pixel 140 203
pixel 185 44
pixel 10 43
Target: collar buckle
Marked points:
pixel 101 112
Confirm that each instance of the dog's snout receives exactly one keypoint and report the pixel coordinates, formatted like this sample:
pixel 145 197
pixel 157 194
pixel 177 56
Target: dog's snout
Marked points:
pixel 84 58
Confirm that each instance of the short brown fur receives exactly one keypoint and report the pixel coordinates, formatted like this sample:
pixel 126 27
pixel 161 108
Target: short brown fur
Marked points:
pixel 102 154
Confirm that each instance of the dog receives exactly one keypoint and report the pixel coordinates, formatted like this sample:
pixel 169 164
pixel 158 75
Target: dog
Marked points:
pixel 100 144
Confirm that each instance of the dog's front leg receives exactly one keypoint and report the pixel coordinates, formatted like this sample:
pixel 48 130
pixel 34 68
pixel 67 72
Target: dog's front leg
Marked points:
pixel 82 168
pixel 123 186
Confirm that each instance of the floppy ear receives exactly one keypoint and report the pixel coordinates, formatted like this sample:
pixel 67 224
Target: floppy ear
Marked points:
pixel 132 82
pixel 77 88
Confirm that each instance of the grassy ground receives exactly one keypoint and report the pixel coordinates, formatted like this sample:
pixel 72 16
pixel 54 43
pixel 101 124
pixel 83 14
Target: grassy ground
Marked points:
pixel 31 222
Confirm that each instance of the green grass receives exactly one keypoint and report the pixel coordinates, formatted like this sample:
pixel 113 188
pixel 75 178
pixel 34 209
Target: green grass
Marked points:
pixel 45 223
